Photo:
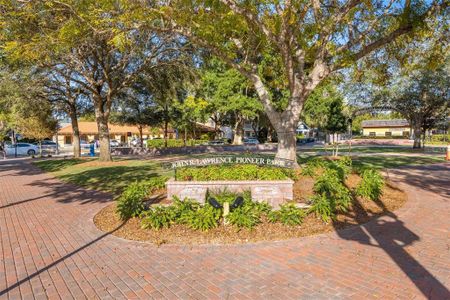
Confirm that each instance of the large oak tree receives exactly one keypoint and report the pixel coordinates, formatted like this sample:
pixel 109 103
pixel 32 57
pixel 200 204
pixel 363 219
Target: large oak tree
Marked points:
pixel 291 45
pixel 98 41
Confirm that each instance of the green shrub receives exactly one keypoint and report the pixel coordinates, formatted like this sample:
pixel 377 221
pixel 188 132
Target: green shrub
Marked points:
pixel 130 203
pixel 204 218
pixel 245 216
pixel 330 188
pixel 312 165
pixel 288 214
pixel 371 185
pixel 322 207
pixel 342 166
pixel 158 217
pixel 249 214
pixel 159 143
pixel 183 208
pixel 233 172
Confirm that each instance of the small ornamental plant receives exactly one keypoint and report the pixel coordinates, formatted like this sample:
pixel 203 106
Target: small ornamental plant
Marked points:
pixel 131 201
pixel 371 185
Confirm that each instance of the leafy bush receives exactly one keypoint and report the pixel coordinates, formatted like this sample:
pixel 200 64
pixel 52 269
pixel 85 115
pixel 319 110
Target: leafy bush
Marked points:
pixel 288 214
pixel 332 195
pixel 158 217
pixel 371 185
pixel 249 214
pixel 234 172
pixel 159 143
pixel 183 208
pixel 204 218
pixel 312 165
pixel 343 166
pixel 322 207
pixel 130 203
pixel 245 216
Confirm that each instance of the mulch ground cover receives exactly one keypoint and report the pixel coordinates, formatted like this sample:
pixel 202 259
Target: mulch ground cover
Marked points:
pixel 362 211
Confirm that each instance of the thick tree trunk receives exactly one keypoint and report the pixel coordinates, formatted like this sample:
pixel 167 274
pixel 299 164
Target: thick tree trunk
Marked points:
pixel 417 137
pixel 103 135
pixel 166 124
pixel 141 136
pixel 285 123
pixel 287 143
pixel 76 135
pixel 238 132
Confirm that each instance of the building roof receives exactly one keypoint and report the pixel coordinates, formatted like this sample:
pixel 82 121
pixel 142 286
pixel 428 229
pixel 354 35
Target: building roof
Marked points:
pixel 384 123
pixel 91 128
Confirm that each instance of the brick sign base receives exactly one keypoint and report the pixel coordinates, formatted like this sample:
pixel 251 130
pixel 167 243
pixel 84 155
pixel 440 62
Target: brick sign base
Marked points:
pixel 275 192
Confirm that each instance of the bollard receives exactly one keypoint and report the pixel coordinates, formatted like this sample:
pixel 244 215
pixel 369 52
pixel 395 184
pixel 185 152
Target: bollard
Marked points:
pixel 226 211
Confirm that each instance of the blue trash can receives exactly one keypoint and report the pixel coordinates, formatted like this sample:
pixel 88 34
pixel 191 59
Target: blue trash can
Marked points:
pixel 92 149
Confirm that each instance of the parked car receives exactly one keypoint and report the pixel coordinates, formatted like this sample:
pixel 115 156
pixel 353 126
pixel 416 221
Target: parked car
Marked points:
pixel 22 149
pixel 137 142
pixel 251 141
pixel 47 145
pixel 84 144
pixel 114 143
pixel 216 142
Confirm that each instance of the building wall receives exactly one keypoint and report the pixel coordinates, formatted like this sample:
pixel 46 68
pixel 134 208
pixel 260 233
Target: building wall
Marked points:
pixel 395 131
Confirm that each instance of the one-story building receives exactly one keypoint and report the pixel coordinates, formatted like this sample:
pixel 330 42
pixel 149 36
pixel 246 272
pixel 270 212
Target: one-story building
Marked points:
pixel 124 134
pixel 386 128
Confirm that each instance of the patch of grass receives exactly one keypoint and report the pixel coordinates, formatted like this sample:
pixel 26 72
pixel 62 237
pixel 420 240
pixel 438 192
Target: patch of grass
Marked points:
pixel 59 164
pixel 385 162
pixel 109 177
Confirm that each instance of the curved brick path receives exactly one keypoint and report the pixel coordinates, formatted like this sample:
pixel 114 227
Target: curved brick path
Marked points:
pixel 51 248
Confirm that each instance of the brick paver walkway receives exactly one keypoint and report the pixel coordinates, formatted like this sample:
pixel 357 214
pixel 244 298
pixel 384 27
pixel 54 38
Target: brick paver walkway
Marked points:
pixel 51 248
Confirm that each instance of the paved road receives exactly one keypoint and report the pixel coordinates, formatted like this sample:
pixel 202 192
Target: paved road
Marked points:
pixel 51 249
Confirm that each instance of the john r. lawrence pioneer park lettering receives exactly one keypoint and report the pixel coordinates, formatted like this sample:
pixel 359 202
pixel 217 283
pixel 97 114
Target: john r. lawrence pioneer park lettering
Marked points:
pixel 276 162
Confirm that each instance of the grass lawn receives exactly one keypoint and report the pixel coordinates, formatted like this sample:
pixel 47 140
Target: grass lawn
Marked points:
pixel 113 177
pixel 109 177
pixel 367 149
pixel 385 162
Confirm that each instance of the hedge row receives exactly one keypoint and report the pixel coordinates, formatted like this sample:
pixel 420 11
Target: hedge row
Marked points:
pixel 159 143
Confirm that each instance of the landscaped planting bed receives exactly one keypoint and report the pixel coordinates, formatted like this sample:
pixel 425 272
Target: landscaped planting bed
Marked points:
pixel 333 195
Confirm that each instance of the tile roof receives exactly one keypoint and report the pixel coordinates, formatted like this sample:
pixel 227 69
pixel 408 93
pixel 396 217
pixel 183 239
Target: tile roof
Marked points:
pixel 385 123
pixel 91 128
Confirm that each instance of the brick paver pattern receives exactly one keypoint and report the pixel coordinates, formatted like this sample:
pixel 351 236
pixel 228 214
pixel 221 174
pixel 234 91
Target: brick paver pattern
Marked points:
pixel 50 248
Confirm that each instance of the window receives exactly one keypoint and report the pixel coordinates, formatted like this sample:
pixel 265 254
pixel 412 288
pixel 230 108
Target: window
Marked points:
pixel 388 133
pixel 406 133
pixel 372 133
pixel 68 140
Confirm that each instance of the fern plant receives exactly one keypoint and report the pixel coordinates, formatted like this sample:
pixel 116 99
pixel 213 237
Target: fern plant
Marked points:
pixel 322 208
pixel 311 166
pixel 288 214
pixel 331 195
pixel 371 185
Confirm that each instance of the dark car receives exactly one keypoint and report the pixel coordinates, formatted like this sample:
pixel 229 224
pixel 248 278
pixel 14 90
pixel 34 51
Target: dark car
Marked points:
pixel 216 142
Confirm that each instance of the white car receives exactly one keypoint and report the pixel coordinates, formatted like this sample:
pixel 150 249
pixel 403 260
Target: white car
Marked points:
pixel 114 143
pixel 22 149
pixel 251 141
